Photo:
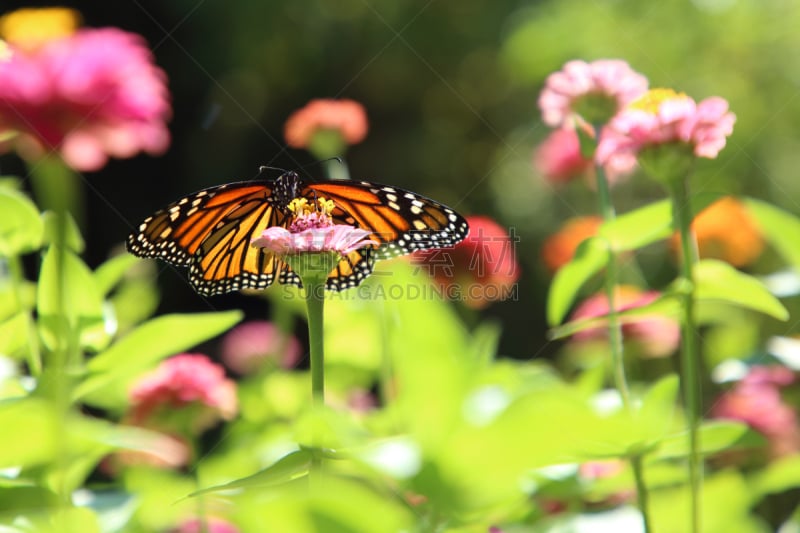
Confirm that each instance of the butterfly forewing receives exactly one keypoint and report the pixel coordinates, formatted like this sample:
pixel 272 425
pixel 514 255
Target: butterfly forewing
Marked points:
pixel 402 221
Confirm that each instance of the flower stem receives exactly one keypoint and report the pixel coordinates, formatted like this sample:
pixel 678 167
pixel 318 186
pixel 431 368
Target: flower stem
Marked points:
pixel 315 300
pixel 614 328
pixel 615 333
pixel 641 490
pixel 682 216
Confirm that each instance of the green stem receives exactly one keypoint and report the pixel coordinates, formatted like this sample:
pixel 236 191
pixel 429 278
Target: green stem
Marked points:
pixel 641 491
pixel 682 216
pixel 315 299
pixel 614 328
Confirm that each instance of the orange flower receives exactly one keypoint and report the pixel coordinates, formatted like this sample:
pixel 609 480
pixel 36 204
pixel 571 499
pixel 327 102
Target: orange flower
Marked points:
pixel 726 231
pixel 347 117
pixel 559 248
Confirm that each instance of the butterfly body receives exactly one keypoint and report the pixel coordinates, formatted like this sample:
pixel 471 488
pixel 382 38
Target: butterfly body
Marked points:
pixel 210 231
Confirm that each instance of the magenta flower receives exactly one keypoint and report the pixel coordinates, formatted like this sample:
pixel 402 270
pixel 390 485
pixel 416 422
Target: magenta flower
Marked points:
pixel 592 91
pixel 665 117
pixel 756 400
pixel 187 390
pixel 90 95
pixel 559 160
pixel 248 346
pixel 651 335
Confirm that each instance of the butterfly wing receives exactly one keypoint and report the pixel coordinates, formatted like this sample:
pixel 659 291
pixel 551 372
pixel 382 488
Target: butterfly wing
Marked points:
pixel 210 231
pixel 402 221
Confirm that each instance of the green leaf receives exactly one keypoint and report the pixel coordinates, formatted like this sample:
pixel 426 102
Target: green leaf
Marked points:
pixel 288 468
pixel 647 224
pixel 590 257
pixel 80 303
pixel 714 436
pixel 33 424
pixel 719 281
pixel 14 334
pixel 639 228
pixel 74 239
pixel 110 273
pixel 21 227
pixel 657 412
pixel 779 476
pixel 152 341
pixel 781 229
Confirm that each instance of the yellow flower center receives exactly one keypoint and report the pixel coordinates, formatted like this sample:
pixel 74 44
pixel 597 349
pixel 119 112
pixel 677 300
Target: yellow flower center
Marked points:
pixel 30 28
pixel 652 99
pixel 301 206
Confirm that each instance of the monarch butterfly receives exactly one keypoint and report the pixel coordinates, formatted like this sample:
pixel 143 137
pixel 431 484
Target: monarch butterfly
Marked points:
pixel 210 230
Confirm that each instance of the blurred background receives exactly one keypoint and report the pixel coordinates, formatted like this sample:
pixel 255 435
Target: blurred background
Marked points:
pixel 450 89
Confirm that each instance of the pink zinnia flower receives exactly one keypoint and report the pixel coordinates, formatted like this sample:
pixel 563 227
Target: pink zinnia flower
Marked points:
pixel 182 382
pixel 339 238
pixel 90 95
pixel 347 117
pixel 593 91
pixel 559 159
pixel 480 269
pixel 663 117
pixel 756 400
pixel 212 525
pixel 248 346
pixel 653 335
pixel 312 230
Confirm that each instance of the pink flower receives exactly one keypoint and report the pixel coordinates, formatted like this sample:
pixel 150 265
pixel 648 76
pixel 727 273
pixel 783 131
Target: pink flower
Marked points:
pixel 312 230
pixel 248 346
pixel 593 91
pixel 480 269
pixel 599 470
pixel 90 95
pixel 347 117
pixel 339 238
pixel 187 381
pixel 756 400
pixel 212 525
pixel 652 335
pixel 663 117
pixel 559 159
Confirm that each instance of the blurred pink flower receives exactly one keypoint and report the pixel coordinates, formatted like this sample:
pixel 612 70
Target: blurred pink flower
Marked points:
pixel 347 117
pixel 652 335
pixel 167 452
pixel 756 401
pixel 559 159
pixel 598 470
pixel 480 269
pixel 90 95
pixel 185 381
pixel 662 117
pixel 212 525
pixel 248 346
pixel 593 91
